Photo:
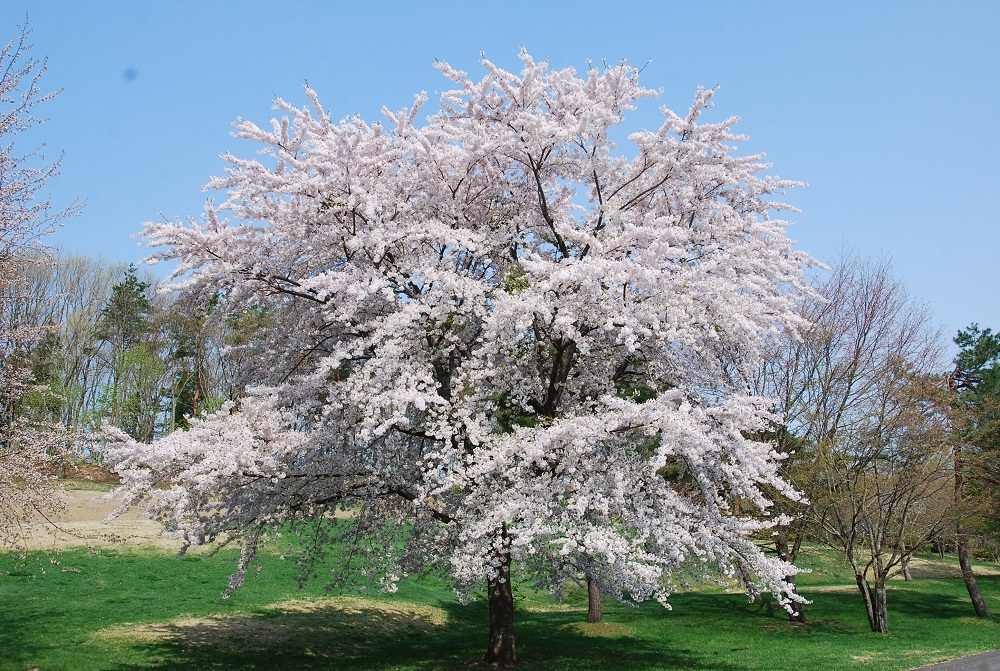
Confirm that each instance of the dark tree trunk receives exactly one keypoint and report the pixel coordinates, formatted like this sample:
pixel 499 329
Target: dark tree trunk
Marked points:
pixel 881 623
pixel 594 610
pixel 962 545
pixel 876 603
pixel 797 614
pixel 502 650
pixel 790 554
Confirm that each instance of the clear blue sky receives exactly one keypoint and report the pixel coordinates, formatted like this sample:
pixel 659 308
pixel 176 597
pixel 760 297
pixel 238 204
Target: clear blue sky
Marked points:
pixel 888 109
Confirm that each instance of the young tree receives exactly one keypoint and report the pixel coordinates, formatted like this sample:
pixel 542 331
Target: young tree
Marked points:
pixel 27 448
pixel 493 338
pixel 857 402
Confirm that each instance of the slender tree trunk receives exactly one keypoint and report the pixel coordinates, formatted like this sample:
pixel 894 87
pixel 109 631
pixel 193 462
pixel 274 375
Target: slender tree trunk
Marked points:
pixel 502 649
pixel 904 562
pixel 197 396
pixel 747 579
pixel 868 597
pixel 962 543
pixel 594 609
pixel 876 603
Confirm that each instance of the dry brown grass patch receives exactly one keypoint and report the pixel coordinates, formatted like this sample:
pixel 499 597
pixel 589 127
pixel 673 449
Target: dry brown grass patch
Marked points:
pixel 979 621
pixel 600 629
pixel 926 568
pixel 836 589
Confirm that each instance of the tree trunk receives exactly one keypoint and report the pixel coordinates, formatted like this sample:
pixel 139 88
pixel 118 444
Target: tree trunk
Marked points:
pixel 875 603
pixel 797 614
pixel 790 554
pixel 594 610
pixel 904 562
pixel 502 649
pixel 962 545
pixel 880 625
pixel 747 578
pixel 866 595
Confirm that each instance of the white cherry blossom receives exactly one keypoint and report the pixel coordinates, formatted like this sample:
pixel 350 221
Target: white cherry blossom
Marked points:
pixel 498 340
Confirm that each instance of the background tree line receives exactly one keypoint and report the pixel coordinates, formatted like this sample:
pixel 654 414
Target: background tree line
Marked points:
pixel 893 445
pixel 107 348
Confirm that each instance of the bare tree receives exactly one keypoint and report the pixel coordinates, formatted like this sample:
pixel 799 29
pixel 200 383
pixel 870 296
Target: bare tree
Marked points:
pixel 883 491
pixel 865 440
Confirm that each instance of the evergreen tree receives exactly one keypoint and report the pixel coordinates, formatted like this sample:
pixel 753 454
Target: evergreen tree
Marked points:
pixel 130 399
pixel 125 318
pixel 975 382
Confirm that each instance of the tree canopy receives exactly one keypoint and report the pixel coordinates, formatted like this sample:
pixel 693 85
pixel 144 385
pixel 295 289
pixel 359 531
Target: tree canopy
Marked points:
pixel 496 339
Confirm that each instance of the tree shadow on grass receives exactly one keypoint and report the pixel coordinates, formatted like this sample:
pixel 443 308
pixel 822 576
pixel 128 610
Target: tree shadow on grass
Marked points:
pixel 20 638
pixel 378 636
pixel 307 634
pixel 950 601
pixel 923 600
pixel 563 640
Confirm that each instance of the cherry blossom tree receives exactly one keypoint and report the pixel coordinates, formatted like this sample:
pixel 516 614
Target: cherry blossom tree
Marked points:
pixel 28 448
pixel 495 339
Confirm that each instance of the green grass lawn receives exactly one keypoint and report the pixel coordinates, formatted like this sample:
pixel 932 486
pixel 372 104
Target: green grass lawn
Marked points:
pixel 128 610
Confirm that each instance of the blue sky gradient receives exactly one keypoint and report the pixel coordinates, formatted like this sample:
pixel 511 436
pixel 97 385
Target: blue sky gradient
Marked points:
pixel 888 110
